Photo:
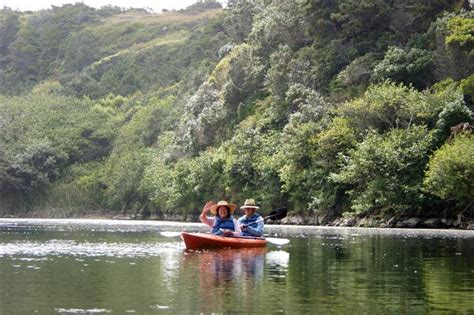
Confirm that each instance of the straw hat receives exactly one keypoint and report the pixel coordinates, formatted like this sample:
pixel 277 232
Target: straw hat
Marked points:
pixel 230 206
pixel 249 203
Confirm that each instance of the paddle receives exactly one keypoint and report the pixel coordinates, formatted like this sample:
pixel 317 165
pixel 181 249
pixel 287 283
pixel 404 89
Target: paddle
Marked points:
pixel 277 214
pixel 277 241
pixel 170 234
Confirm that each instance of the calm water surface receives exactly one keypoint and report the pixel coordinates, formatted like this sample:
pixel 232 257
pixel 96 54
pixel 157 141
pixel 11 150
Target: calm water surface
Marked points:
pixel 100 266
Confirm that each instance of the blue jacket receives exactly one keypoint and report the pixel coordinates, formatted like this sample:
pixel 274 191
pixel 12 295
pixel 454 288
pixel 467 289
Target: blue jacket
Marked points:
pixel 254 228
pixel 224 224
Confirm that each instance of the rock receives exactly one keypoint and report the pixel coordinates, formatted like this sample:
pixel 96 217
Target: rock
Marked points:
pixel 293 219
pixel 392 221
pixel 313 220
pixel 447 222
pixel 470 226
pixel 122 217
pixel 432 223
pixel 362 223
pixel 298 220
pixel 351 222
pixel 410 223
pixel 373 222
pixel 343 221
pixel 413 222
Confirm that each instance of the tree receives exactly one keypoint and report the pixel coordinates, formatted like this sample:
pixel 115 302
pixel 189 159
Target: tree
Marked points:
pixel 240 19
pixel 238 77
pixel 32 169
pixel 412 66
pixel 454 43
pixel 451 170
pixel 385 172
pixel 205 120
pixel 354 79
pixel 278 23
pixel 203 5
pixel 43 134
pixel 249 169
pixel 80 51
pixel 384 107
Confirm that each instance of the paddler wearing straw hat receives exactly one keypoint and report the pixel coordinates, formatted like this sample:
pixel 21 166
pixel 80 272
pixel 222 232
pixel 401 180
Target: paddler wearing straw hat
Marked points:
pixel 251 223
pixel 223 222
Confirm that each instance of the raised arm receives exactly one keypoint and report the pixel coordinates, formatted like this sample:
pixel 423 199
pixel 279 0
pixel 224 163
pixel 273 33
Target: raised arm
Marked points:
pixel 204 219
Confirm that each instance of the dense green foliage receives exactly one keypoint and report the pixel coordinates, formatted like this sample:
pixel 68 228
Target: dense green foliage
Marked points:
pixel 451 170
pixel 324 106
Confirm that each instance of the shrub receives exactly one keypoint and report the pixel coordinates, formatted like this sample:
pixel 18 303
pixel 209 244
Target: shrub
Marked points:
pixel 450 171
pixel 386 171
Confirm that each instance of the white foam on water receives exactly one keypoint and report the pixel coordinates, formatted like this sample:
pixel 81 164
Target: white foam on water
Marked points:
pixel 82 311
pixel 33 249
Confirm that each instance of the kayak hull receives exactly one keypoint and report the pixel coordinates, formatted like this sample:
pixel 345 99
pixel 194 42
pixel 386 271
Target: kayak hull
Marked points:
pixel 210 241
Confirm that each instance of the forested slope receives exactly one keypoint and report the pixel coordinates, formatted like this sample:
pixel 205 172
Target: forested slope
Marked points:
pixel 331 108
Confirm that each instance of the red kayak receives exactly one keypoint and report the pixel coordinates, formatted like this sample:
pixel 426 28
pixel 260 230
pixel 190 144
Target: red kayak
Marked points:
pixel 209 241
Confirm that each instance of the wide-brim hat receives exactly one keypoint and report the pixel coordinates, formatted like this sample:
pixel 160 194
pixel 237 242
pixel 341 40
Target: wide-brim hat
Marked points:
pixel 249 203
pixel 230 206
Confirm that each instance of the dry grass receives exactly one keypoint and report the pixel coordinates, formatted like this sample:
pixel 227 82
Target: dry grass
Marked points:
pixel 161 18
pixel 169 39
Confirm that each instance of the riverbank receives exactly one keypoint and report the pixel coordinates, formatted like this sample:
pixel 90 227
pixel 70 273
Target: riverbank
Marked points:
pixel 379 221
pixel 369 221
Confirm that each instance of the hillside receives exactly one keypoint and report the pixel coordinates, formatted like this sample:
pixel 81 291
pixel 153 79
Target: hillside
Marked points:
pixel 334 109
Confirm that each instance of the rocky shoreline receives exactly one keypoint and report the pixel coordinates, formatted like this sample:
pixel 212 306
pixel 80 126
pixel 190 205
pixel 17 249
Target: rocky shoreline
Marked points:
pixel 374 221
pixel 384 222
pixel 368 221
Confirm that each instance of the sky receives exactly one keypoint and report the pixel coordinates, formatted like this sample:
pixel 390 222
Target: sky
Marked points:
pixel 157 5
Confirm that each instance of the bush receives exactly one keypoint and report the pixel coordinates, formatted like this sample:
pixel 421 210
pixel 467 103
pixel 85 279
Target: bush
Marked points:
pixel 386 171
pixel 410 66
pixel 451 171
pixel 34 168
pixel 385 107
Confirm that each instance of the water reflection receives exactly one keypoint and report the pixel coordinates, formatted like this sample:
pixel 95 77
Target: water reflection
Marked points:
pixel 220 266
pixel 278 258
pixel 277 265
pixel 169 268
pixel 230 280
pixel 123 268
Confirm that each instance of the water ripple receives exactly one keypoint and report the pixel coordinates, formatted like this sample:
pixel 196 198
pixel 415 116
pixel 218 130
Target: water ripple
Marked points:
pixel 81 311
pixel 87 249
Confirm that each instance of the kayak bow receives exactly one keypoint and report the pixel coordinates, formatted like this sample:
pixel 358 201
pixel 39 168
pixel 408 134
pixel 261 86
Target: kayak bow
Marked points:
pixel 209 241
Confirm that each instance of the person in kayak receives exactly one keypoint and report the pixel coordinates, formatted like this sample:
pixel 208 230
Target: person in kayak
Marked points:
pixel 251 223
pixel 223 222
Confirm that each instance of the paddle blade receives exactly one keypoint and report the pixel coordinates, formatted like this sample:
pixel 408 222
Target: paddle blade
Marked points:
pixel 277 241
pixel 277 214
pixel 170 234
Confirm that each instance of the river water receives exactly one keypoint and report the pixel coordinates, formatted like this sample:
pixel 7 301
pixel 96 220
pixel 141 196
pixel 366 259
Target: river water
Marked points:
pixel 126 267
